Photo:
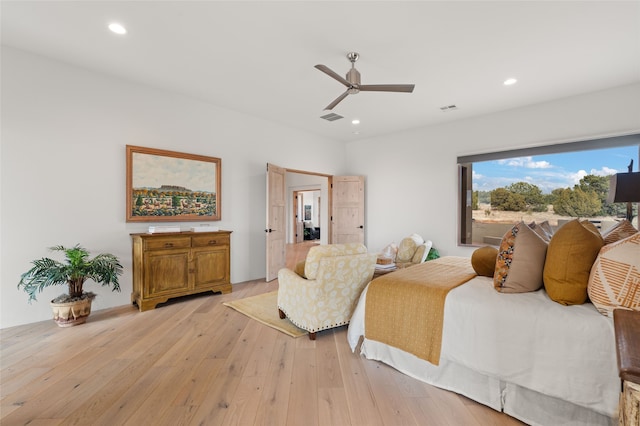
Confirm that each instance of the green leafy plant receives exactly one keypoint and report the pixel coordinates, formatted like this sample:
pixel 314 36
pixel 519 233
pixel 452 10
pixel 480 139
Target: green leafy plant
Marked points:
pixel 77 268
pixel 433 254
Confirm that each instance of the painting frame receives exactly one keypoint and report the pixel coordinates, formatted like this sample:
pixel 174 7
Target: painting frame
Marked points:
pixel 158 186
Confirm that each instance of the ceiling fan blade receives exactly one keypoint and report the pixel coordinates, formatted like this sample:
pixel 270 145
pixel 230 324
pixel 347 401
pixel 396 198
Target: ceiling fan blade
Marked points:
pixel 333 74
pixel 337 101
pixel 405 88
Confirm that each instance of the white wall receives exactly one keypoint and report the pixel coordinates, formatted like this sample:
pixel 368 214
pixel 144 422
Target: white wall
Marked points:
pixel 413 186
pixel 64 132
pixel 312 198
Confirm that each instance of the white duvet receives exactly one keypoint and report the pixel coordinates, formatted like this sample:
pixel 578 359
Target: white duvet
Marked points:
pixel 567 352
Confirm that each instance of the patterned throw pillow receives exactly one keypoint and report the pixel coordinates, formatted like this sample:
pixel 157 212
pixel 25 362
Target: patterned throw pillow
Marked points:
pixel 615 276
pixel 407 248
pixel 520 261
pixel 619 231
pixel 422 252
pixel 571 253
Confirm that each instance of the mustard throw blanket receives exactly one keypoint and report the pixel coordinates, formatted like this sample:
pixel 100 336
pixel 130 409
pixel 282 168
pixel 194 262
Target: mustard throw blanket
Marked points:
pixel 405 309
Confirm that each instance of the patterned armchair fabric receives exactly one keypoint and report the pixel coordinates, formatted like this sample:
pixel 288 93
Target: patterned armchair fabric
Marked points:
pixel 336 275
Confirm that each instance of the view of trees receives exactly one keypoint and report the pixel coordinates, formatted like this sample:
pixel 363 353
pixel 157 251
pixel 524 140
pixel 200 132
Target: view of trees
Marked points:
pixel 586 199
pixel 172 201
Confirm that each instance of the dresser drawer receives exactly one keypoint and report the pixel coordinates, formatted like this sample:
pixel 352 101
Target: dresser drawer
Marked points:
pixel 210 240
pixel 167 243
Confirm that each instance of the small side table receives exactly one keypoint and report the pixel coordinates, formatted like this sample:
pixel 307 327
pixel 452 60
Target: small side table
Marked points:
pixel 627 328
pixel 378 272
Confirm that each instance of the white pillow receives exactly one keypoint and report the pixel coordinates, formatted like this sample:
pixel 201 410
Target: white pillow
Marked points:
pixel 422 252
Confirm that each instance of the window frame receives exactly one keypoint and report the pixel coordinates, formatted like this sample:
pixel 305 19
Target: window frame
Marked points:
pixel 465 171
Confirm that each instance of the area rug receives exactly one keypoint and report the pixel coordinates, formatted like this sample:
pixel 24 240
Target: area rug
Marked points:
pixel 264 308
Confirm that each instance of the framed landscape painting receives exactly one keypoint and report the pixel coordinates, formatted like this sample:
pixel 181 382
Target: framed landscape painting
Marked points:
pixel 169 186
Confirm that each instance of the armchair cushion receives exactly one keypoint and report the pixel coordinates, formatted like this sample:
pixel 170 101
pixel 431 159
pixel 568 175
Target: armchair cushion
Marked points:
pixel 299 268
pixel 318 252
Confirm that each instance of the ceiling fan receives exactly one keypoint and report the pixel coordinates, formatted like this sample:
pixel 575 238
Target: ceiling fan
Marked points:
pixel 352 82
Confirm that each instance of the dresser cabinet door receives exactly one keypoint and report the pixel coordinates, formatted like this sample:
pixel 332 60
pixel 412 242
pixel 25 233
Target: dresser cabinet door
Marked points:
pixel 166 272
pixel 210 266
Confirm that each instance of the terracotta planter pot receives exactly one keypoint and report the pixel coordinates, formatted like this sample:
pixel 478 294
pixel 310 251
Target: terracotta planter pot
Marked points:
pixel 71 313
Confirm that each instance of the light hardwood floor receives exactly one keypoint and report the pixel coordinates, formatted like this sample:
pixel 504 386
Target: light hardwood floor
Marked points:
pixel 197 362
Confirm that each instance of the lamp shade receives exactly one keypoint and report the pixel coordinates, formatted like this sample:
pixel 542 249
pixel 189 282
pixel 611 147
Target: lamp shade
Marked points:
pixel 624 188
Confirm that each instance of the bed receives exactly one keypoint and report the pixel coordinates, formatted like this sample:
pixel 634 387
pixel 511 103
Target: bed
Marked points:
pixel 534 359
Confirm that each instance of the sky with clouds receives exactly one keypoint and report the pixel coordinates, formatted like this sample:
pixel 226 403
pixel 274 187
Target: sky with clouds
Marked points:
pixel 153 171
pixel 553 171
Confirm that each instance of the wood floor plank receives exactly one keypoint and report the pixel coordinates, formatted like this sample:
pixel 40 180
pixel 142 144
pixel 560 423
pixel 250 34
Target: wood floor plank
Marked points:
pixel 427 410
pixel 363 408
pixel 242 408
pixel 97 396
pixel 274 404
pixel 195 390
pixel 329 373
pixel 303 397
pixel 333 409
pixel 224 386
pixel 392 406
pixel 165 390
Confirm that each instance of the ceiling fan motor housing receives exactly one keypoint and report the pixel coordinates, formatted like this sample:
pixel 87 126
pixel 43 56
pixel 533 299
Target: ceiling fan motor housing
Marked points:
pixel 353 77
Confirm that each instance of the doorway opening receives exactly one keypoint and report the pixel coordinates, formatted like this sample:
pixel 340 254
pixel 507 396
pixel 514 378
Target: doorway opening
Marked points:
pixel 307 207
pixel 307 215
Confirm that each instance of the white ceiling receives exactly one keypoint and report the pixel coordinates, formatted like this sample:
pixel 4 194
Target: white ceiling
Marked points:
pixel 258 57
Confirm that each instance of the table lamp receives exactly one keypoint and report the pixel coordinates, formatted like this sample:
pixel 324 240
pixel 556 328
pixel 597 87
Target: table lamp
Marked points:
pixel 625 188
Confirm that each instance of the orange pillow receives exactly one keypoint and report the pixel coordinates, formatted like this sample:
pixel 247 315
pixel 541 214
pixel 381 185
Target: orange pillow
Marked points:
pixel 571 253
pixel 483 261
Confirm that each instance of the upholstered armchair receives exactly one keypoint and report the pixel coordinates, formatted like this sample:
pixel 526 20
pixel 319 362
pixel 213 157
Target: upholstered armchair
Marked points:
pixel 327 293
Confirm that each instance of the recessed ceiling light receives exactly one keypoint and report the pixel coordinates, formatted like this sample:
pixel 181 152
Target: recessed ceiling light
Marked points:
pixel 117 28
pixel 356 121
pixel 510 81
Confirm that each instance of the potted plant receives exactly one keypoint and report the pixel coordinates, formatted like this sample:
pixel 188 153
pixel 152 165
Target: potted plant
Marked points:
pixel 73 308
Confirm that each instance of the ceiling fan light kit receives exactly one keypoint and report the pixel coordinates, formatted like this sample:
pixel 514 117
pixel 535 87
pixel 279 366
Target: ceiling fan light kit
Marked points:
pixel 352 82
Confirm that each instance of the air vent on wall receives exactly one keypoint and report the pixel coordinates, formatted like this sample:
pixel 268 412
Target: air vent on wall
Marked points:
pixel 331 117
pixel 448 108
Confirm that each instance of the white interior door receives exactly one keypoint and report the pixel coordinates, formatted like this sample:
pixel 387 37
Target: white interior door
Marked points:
pixel 276 221
pixel 347 212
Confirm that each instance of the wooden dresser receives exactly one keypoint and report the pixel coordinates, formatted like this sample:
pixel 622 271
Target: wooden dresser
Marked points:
pixel 178 264
pixel 627 328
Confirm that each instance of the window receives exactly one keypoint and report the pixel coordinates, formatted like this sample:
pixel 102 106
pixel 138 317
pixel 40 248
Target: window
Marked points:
pixel 555 183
